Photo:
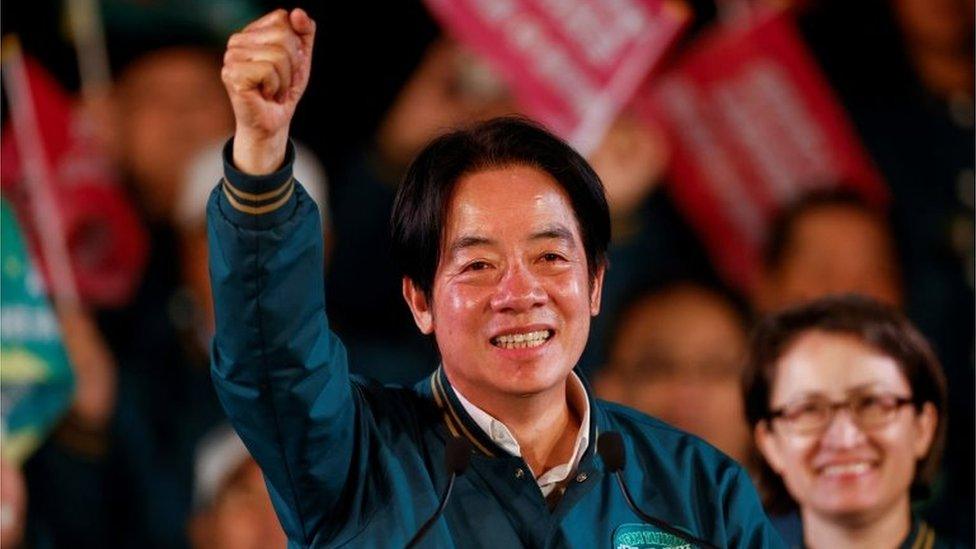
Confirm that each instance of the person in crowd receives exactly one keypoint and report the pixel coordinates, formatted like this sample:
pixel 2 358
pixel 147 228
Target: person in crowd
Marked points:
pixel 232 508
pixel 827 242
pixel 677 355
pixel 848 406
pixel 938 37
pixel 168 105
pixel 501 231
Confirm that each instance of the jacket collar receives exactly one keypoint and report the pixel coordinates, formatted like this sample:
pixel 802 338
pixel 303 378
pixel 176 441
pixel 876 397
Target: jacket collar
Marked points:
pixel 921 536
pixel 456 419
pixel 459 423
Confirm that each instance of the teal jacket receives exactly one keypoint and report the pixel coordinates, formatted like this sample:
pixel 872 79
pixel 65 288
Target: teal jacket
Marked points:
pixel 349 462
pixel 920 536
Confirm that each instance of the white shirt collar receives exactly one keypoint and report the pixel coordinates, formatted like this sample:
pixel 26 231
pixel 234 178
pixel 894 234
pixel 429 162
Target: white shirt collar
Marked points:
pixel 500 434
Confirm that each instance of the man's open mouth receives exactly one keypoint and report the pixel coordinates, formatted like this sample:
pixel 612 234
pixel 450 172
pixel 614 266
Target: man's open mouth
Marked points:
pixel 522 340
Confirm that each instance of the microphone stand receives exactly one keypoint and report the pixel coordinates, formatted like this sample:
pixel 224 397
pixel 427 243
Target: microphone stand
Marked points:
pixel 656 521
pixel 415 540
pixel 457 456
pixel 611 449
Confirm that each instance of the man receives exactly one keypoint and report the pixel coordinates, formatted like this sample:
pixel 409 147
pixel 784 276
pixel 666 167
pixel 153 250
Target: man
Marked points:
pixel 503 264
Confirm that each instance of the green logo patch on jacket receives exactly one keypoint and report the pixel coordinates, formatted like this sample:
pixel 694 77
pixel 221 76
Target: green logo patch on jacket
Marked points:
pixel 645 536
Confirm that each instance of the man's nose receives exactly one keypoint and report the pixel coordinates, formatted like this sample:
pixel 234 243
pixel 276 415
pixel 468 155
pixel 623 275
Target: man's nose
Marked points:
pixel 842 431
pixel 518 290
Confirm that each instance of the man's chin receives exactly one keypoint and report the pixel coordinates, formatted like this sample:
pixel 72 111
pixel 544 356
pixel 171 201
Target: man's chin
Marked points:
pixel 527 380
pixel 522 379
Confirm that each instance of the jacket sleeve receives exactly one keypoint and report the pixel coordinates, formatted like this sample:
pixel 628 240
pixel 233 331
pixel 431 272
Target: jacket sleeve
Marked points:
pixel 280 373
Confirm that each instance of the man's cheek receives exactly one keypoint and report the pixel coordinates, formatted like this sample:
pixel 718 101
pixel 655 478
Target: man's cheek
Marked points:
pixel 572 289
pixel 459 302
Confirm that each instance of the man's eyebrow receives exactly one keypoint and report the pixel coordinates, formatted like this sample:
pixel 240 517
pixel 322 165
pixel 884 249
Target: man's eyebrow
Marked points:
pixel 468 241
pixel 556 232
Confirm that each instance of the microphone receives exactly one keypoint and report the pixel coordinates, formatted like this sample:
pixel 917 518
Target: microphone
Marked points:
pixel 610 446
pixel 457 455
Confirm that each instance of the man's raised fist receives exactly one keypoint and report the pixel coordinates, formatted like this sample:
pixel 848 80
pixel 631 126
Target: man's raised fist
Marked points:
pixel 266 70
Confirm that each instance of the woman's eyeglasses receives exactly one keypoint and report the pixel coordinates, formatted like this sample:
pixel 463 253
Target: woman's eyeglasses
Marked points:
pixel 814 415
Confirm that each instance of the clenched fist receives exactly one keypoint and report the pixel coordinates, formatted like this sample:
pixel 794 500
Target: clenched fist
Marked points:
pixel 266 70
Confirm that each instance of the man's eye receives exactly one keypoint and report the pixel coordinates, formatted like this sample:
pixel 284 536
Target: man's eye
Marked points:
pixel 552 257
pixel 476 266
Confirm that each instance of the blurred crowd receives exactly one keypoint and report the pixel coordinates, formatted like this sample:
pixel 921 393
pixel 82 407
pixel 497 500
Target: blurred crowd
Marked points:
pixel 139 453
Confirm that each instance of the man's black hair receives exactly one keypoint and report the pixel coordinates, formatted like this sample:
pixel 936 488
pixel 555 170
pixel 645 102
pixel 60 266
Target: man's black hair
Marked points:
pixel 421 205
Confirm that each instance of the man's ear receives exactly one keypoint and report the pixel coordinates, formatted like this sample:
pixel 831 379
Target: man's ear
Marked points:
pixel 419 306
pixel 596 289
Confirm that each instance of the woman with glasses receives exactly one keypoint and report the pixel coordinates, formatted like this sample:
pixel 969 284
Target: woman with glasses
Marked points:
pixel 847 403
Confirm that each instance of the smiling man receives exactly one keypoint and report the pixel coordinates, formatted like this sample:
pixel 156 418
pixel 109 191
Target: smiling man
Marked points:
pixel 501 231
pixel 513 290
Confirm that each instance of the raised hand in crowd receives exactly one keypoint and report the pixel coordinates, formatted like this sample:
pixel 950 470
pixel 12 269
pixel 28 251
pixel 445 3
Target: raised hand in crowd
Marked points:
pixel 630 161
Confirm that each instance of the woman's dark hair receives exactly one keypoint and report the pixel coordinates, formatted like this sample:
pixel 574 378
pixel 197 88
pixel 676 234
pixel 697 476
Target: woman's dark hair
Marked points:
pixel 881 327
pixel 421 204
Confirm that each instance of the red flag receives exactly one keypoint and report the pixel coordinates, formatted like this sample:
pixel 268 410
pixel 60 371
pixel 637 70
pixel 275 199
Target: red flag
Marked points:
pixel 571 65
pixel 105 242
pixel 754 125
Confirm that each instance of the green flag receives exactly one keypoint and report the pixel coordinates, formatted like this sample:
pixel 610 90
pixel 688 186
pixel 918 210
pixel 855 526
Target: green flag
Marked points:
pixel 36 380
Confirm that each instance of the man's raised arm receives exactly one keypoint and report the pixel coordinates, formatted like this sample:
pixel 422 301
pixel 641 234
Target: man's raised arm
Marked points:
pixel 280 373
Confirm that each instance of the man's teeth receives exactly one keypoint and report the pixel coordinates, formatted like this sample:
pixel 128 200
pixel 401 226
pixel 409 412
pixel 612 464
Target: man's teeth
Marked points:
pixel 520 341
pixel 846 469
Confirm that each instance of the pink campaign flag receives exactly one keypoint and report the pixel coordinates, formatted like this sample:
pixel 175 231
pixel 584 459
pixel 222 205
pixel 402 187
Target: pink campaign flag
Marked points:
pixel 753 125
pixel 571 64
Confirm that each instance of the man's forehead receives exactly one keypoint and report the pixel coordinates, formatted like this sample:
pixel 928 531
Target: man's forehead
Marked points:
pixel 508 191
pixel 511 203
